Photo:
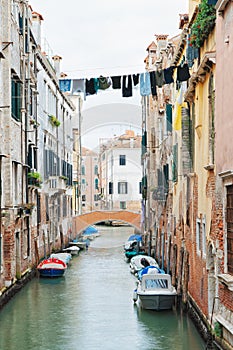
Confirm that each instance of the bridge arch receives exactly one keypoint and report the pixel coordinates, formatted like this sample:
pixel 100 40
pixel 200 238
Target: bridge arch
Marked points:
pixel 81 222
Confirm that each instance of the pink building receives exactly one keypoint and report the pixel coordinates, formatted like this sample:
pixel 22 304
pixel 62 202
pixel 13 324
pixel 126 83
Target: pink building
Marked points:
pixel 223 227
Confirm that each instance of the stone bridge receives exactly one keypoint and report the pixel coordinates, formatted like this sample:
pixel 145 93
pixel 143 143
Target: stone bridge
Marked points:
pixel 81 222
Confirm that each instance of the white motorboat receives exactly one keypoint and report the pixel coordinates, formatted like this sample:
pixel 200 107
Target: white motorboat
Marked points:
pixel 155 291
pixel 80 244
pixel 66 257
pixel 138 262
pixel 73 250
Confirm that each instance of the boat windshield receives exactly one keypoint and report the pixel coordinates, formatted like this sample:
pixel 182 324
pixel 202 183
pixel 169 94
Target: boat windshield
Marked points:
pixel 156 283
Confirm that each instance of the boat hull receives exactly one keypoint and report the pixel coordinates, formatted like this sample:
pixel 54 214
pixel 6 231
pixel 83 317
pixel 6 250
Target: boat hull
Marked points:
pixel 52 267
pixel 155 290
pixel 157 302
pixel 51 272
pixel 131 253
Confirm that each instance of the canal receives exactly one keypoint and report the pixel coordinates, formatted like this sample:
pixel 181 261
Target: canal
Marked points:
pixel 91 308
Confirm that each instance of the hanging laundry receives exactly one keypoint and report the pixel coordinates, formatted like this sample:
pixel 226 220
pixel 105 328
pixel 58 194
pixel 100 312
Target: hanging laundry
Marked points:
pixel 135 79
pixel 78 85
pixel 168 74
pixel 159 75
pixel 104 83
pixel 145 87
pixel 65 85
pixel 178 118
pixel 127 86
pixel 183 72
pixel 116 82
pixel 153 83
pixel 90 86
pixel 183 89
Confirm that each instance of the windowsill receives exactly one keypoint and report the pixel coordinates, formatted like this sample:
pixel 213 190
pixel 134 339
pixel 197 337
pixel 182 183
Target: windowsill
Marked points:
pixel 209 167
pixel 224 323
pixel 226 280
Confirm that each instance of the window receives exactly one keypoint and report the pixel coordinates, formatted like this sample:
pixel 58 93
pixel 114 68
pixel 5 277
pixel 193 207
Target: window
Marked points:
pixel 83 185
pixel 15 175
pixel 198 235
pixel 16 99
pixel 140 187
pixel 122 160
pixel 229 218
pixel 25 243
pixel 83 170
pixel 110 187
pixel 83 197
pixel 122 187
pixel 122 205
pixel 169 116
pixel 203 224
pixel 96 184
pixel 96 170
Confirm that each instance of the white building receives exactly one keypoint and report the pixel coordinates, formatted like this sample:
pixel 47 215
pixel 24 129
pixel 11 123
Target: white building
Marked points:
pixel 121 172
pixel 89 180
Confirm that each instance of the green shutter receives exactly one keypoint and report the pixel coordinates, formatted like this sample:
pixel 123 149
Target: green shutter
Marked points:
pixel 175 163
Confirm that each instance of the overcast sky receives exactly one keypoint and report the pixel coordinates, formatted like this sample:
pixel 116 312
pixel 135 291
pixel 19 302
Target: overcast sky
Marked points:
pixel 96 36
pixel 106 37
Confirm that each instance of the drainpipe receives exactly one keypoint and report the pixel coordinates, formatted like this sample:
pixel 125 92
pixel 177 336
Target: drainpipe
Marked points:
pixel 80 155
pixel 162 239
pixel 27 29
pixel 143 228
pixel 1 156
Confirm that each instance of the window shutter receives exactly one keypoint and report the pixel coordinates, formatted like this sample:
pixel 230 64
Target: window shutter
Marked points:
pixel 169 116
pixel 175 163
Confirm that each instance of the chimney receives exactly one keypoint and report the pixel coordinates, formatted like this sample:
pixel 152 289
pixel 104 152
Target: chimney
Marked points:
pixel 161 41
pixel 57 59
pixel 36 27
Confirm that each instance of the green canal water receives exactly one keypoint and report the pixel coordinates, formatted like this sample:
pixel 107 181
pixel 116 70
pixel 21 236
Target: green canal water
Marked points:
pixel 91 308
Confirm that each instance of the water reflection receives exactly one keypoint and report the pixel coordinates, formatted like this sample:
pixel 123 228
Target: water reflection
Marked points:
pixel 168 330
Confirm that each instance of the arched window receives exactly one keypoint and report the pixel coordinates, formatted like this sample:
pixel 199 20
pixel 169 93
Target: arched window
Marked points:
pixel 96 170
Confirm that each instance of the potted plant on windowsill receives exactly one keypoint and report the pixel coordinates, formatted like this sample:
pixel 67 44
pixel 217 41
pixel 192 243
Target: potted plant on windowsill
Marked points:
pixel 203 24
pixel 26 208
pixel 63 177
pixel 34 178
pixel 54 121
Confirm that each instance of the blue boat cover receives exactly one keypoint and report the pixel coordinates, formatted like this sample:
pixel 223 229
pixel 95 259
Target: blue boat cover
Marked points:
pixel 89 230
pixel 145 271
pixel 135 238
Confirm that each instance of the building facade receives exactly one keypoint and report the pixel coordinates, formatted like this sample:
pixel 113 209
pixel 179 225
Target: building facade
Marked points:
pixel 36 122
pixel 120 172
pixel 89 180
pixel 187 182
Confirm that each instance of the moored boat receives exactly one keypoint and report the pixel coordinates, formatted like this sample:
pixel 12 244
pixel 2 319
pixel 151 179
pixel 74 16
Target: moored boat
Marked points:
pixel 82 244
pixel 73 250
pixel 52 267
pixel 155 291
pixel 133 246
pixel 140 261
pixel 66 257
